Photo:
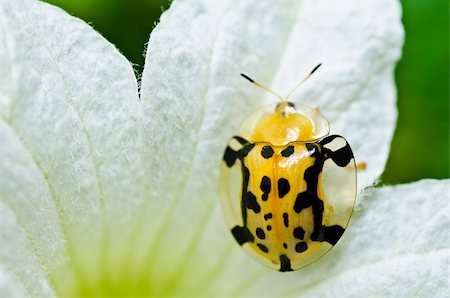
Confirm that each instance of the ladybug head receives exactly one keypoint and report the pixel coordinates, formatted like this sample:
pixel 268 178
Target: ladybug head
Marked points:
pixel 285 122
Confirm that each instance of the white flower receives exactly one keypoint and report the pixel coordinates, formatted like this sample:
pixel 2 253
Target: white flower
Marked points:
pixel 103 193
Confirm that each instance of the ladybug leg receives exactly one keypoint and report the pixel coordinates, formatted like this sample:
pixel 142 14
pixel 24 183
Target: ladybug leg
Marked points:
pixel 303 201
pixel 361 166
pixel 242 235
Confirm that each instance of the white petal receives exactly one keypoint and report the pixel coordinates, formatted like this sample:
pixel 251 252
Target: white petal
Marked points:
pixel 194 100
pixel 358 44
pixel 22 273
pixel 11 287
pixel 68 107
pixel 395 246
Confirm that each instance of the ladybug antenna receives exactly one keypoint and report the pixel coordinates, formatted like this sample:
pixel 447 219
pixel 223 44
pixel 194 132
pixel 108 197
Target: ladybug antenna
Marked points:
pixel 302 81
pixel 262 86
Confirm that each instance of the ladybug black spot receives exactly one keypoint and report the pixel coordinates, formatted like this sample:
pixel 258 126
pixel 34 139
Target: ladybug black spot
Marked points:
pixel 283 187
pixel 242 235
pixel 286 219
pixel 265 186
pixel 299 233
pixel 268 216
pixel 260 233
pixel 262 247
pixel 285 263
pixel 312 149
pixel 288 151
pixel 267 152
pixel 251 203
pixel 247 148
pixel 301 247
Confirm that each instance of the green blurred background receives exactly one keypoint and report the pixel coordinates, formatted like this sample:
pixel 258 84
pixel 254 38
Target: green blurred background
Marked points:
pixel 420 147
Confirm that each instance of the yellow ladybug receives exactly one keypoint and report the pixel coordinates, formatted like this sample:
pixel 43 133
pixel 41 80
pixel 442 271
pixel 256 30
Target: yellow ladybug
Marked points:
pixel 287 187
